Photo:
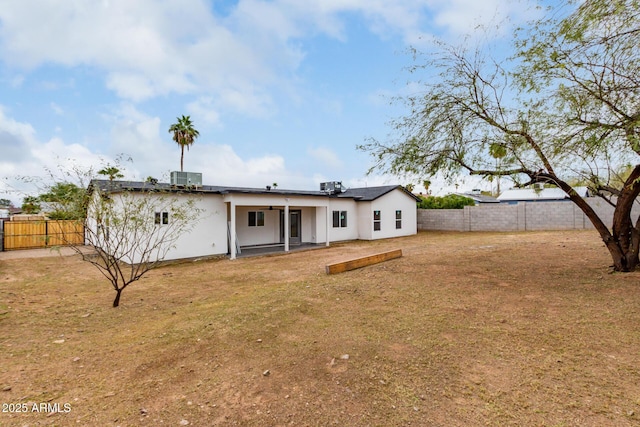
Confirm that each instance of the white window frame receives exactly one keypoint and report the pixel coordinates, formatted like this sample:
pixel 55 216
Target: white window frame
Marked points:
pixel 161 218
pixel 258 219
pixel 341 219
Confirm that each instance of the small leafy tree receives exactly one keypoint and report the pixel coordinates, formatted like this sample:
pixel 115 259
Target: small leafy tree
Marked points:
pixel 31 205
pixel 6 203
pixel 450 201
pixel 67 200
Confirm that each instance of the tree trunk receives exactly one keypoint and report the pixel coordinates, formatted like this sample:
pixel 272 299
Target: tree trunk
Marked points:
pixel 181 157
pixel 116 302
pixel 632 256
pixel 618 255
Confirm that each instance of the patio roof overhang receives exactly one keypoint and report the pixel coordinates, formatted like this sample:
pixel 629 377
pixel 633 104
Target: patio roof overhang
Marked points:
pixel 275 200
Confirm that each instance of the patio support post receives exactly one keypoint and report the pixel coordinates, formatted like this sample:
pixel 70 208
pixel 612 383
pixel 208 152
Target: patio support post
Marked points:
pixel 232 230
pixel 286 228
pixel 328 222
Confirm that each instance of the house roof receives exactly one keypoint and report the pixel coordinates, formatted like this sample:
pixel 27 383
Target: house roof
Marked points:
pixel 14 211
pixel 525 194
pixel 358 194
pixel 367 194
pixel 480 198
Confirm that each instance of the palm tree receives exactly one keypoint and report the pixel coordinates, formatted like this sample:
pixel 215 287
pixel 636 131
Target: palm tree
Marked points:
pixel 184 134
pixel 111 171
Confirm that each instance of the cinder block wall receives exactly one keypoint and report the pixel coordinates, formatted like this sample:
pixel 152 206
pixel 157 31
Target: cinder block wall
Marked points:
pixel 523 216
pixel 493 218
pixel 441 219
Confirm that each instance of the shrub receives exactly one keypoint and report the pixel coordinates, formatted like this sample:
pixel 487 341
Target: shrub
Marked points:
pixel 451 201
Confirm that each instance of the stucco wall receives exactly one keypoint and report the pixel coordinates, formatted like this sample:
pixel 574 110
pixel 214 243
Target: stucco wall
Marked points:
pixel 350 232
pixel 520 217
pixel 308 227
pixel 257 235
pixel 207 237
pixel 387 205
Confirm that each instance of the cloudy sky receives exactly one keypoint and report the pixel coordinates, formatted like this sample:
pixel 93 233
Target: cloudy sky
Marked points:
pixel 280 91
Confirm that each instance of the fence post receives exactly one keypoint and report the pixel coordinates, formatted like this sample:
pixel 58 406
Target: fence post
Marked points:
pixel 521 209
pixel 466 221
pixel 1 235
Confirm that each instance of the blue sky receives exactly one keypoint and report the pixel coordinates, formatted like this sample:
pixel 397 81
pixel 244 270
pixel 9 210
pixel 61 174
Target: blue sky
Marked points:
pixel 280 91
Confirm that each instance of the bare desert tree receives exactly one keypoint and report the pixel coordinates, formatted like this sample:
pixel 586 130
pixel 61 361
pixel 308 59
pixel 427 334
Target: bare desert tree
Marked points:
pixel 129 227
pixel 133 228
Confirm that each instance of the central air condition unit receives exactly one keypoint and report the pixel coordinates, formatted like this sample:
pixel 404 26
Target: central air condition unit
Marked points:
pixel 333 187
pixel 186 179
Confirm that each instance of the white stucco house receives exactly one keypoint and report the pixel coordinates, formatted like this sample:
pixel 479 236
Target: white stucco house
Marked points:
pixel 236 218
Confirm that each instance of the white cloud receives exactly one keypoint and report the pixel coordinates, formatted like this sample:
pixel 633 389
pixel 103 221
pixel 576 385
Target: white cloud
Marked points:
pixel 325 156
pixel 149 48
pixel 239 62
pixel 25 158
pixel 23 130
pixel 16 81
pixel 247 100
pixel 221 165
pixel 371 181
pixel 146 48
pixel 461 17
pixel 137 136
pixel 56 108
pixel 154 153
pixel 55 154
pixel 130 86
pixel 204 109
pixel 439 185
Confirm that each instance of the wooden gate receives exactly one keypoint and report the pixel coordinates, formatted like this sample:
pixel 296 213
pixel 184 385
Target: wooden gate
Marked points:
pixel 41 234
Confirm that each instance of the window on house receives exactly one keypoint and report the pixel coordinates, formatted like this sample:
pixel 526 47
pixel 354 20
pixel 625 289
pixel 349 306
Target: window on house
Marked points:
pixel 256 219
pixel 161 218
pixel 339 219
pixel 398 219
pixel 376 220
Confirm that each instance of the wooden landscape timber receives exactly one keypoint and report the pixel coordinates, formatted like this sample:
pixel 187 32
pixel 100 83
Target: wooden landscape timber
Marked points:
pixel 341 267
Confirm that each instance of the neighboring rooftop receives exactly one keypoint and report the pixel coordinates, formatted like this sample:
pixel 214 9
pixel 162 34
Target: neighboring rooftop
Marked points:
pixel 479 198
pixel 531 194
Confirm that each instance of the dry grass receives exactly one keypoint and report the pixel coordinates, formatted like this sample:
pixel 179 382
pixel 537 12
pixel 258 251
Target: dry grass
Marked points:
pixel 466 329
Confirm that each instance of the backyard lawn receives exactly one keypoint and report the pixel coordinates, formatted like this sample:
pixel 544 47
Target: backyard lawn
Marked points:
pixel 466 329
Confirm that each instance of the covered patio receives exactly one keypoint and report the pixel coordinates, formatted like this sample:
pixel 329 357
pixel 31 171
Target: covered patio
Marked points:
pixel 266 223
pixel 262 250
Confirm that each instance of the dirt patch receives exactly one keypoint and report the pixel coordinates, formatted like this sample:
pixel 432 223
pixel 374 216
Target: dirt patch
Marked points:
pixel 465 329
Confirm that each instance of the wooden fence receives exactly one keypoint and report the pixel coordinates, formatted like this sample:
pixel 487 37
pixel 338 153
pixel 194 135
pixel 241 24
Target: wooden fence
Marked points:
pixel 41 234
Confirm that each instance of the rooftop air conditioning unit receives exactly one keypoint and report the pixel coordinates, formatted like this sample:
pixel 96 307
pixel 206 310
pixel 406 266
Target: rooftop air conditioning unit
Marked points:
pixel 186 179
pixel 333 187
